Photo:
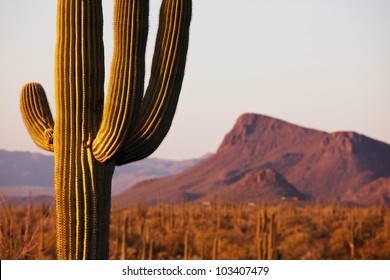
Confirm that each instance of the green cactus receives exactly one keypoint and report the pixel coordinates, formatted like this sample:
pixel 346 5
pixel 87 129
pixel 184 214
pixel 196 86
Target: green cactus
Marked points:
pixel 89 137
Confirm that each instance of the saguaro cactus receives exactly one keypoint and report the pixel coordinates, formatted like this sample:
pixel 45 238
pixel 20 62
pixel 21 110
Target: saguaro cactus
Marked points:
pixel 266 232
pixel 88 137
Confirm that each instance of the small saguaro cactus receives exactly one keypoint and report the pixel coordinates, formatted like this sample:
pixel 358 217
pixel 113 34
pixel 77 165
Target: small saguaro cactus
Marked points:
pixel 88 137
pixel 266 232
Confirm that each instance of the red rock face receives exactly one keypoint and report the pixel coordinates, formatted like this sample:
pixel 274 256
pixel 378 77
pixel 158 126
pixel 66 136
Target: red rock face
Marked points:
pixel 285 160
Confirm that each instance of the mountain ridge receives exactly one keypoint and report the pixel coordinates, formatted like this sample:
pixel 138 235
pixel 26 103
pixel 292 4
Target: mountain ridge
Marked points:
pixel 330 167
pixel 23 172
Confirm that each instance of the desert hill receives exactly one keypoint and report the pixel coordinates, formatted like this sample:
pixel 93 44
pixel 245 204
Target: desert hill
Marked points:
pixel 296 163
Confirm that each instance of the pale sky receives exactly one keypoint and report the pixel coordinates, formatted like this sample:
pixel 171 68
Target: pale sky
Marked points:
pixel 322 64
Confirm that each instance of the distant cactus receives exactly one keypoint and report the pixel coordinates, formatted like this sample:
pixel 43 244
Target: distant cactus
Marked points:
pixel 266 232
pixel 125 228
pixel 90 138
pixel 215 249
pixel 186 255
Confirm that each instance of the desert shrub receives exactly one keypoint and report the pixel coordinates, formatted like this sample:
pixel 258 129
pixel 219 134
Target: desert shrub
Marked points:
pixel 196 231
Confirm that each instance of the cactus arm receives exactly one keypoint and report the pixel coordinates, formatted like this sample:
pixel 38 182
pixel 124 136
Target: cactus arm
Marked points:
pixel 127 77
pixel 37 116
pixel 161 97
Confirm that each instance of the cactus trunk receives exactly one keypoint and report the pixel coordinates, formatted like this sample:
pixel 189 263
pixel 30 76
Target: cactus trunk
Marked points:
pixel 82 184
pixel 83 207
pixel 89 136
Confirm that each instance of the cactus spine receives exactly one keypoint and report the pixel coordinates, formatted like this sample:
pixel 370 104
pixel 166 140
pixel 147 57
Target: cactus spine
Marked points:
pixel 89 137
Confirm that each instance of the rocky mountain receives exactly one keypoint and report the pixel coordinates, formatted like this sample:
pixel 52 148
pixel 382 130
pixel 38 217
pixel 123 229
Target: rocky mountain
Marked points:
pixel 25 172
pixel 263 159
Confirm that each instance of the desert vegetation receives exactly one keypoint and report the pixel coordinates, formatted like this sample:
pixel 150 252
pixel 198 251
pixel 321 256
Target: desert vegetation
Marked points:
pixel 210 231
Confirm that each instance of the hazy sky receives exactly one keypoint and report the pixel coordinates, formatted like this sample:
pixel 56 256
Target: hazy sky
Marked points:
pixel 322 64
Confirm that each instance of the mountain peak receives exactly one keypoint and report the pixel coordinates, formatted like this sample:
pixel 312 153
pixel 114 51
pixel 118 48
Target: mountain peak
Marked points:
pixel 251 130
pixel 267 158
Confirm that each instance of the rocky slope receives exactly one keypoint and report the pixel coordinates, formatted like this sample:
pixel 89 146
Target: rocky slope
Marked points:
pixel 296 163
